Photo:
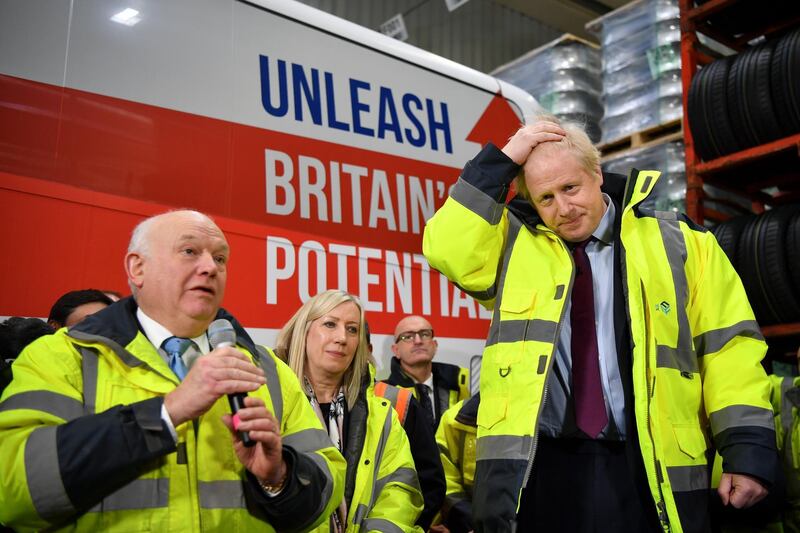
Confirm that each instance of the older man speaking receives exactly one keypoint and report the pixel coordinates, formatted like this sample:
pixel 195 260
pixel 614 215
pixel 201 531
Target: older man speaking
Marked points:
pixel 121 422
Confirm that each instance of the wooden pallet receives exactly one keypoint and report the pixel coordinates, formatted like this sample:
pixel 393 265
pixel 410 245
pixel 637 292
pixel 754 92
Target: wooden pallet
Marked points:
pixel 669 131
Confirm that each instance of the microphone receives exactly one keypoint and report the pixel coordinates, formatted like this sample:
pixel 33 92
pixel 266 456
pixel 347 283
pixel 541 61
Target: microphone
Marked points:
pixel 221 334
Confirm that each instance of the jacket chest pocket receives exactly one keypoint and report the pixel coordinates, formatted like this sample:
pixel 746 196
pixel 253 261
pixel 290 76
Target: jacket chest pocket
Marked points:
pixel 517 304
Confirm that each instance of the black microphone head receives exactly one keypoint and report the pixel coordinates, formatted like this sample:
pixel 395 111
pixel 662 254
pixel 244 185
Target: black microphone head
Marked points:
pixel 221 333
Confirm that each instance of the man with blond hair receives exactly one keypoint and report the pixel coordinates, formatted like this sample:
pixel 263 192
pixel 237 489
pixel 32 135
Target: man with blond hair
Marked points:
pixel 622 350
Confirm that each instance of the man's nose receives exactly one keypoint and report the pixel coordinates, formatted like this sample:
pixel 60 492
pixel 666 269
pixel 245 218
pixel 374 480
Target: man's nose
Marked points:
pixel 207 264
pixel 563 205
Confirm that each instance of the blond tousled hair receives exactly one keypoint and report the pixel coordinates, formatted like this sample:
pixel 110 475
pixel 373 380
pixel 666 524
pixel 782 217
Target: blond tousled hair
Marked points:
pixel 576 141
pixel 291 343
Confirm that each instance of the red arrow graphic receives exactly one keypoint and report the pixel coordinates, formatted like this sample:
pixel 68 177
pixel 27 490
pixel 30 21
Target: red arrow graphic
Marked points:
pixel 497 124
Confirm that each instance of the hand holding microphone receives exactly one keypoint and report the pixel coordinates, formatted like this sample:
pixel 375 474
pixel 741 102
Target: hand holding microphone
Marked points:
pixel 221 334
pixel 231 372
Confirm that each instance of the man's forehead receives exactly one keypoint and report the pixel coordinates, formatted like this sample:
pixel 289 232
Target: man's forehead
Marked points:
pixel 183 227
pixel 409 323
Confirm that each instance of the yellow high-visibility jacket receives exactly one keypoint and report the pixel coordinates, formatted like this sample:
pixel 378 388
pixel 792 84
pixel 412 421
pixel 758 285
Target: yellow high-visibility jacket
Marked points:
pixel 381 490
pixel 696 348
pixel 83 446
pixel 456 438
pixel 786 404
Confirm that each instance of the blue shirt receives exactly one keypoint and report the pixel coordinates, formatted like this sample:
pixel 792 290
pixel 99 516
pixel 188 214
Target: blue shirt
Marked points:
pixel 558 416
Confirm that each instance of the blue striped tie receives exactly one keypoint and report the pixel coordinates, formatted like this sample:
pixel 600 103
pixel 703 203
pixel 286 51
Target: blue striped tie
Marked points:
pixel 175 347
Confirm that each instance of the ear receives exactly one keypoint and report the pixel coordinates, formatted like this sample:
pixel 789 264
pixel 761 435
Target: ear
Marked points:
pixel 395 350
pixel 599 174
pixel 134 268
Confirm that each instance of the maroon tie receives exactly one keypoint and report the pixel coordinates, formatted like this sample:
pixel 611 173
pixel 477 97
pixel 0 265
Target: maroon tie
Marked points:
pixel 590 408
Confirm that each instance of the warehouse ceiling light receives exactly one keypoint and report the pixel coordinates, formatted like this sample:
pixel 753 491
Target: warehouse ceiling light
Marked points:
pixel 127 16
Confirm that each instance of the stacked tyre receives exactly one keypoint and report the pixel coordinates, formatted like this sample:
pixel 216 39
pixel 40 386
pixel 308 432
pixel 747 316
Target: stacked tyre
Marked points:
pixel 765 250
pixel 748 99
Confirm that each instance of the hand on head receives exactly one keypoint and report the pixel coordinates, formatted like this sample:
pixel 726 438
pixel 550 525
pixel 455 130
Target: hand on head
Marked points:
pixel 225 370
pixel 522 143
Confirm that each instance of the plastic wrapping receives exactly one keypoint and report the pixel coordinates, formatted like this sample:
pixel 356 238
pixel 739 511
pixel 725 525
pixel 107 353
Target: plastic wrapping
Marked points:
pixel 632 18
pixel 641 64
pixel 564 77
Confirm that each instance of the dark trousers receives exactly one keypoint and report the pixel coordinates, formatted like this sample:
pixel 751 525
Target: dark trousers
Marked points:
pixel 584 486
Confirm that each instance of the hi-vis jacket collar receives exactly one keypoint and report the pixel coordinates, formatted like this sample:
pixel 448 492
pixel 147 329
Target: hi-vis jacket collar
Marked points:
pixel 117 323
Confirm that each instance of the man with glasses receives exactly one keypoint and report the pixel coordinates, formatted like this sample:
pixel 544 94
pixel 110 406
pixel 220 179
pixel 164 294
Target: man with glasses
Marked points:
pixel 437 386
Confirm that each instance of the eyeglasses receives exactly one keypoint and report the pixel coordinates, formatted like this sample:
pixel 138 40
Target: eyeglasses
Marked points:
pixel 409 336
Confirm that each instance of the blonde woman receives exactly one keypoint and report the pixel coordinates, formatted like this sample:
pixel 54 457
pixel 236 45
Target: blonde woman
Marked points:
pixel 324 344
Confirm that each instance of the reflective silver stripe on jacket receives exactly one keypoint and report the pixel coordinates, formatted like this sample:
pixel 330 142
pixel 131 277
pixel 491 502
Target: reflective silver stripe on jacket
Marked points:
pixel 407 476
pixel 716 339
pixel 90 363
pixel 273 383
pixel 511 447
pixel 477 201
pixel 489 210
pixel 363 510
pixel 308 440
pixel 221 494
pixel 741 415
pixel 145 493
pixel 683 356
pixel 523 330
pixel 688 478
pixel 391 394
pixel 125 356
pixel 52 403
pixel 44 475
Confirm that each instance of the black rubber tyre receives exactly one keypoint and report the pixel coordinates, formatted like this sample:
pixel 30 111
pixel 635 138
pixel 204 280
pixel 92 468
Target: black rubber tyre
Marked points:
pixel 736 94
pixel 719 122
pixel 748 268
pixel 728 234
pixel 793 252
pixel 697 121
pixel 785 82
pixel 760 109
pixel 774 264
pixel 749 96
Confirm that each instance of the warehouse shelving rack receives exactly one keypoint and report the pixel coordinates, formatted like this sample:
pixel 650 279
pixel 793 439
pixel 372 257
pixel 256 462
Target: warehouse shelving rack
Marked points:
pixel 768 174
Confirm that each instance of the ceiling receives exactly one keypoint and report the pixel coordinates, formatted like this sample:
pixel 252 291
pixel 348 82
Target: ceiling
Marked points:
pixel 568 16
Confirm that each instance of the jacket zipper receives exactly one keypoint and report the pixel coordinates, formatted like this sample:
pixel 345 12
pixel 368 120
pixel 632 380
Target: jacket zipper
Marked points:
pixel 661 507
